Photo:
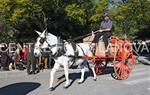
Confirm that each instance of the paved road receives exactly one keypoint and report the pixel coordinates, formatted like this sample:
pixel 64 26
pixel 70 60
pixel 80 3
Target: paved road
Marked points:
pixel 19 83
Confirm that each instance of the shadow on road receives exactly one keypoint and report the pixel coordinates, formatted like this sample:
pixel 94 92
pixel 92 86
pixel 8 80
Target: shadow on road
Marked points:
pixel 108 70
pixel 73 77
pixel 22 88
pixel 76 76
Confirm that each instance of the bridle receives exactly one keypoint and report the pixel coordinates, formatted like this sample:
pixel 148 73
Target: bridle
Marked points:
pixel 59 51
pixel 42 40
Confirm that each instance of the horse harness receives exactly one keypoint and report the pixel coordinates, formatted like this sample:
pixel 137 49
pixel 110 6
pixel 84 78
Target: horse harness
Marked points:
pixel 61 49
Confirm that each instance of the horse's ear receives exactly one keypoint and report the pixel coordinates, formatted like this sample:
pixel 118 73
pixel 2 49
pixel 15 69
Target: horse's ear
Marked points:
pixel 39 33
pixel 45 32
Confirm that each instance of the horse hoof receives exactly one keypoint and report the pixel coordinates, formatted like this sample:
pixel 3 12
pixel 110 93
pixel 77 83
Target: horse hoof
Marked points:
pixel 65 87
pixel 51 89
pixel 95 79
pixel 80 82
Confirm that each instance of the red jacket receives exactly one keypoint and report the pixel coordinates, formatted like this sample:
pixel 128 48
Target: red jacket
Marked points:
pixel 24 51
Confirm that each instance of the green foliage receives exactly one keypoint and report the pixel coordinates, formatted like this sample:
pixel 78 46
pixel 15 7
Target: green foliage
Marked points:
pixel 130 16
pixel 14 10
pixel 72 17
pixel 76 12
pixel 7 37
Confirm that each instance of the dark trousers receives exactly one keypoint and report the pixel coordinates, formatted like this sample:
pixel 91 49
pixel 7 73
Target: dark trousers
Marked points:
pixel 106 36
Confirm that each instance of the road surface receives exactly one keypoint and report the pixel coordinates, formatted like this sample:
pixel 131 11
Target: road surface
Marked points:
pixel 19 83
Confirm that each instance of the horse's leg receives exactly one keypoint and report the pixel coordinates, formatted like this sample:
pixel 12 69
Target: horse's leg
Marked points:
pixel 66 75
pixel 82 75
pixel 55 68
pixel 82 64
pixel 92 66
pixel 93 70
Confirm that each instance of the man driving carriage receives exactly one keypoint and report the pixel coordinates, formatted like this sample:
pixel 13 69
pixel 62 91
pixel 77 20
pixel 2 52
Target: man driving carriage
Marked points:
pixel 104 31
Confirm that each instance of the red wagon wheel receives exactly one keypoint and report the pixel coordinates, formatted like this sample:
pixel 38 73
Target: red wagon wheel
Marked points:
pixel 100 67
pixel 124 66
pixel 122 70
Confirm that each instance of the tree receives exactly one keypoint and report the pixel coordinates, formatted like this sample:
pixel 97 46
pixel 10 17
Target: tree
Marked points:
pixel 72 17
pixel 130 16
pixel 17 13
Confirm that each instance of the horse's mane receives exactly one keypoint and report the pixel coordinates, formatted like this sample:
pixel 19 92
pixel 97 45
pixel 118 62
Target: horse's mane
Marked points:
pixel 50 34
pixel 52 38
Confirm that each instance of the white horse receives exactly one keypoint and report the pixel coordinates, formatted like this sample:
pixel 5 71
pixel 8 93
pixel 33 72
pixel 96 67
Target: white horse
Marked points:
pixel 65 59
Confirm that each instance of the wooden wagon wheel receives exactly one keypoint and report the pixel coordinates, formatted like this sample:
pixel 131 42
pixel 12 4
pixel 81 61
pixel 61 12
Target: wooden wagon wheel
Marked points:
pixel 124 66
pixel 100 67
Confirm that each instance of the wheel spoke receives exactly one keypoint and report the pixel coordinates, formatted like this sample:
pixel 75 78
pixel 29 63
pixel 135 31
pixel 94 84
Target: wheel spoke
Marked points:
pixel 100 67
pixel 122 69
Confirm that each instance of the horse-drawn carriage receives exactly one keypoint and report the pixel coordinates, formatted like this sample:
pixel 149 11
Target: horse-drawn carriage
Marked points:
pixel 119 54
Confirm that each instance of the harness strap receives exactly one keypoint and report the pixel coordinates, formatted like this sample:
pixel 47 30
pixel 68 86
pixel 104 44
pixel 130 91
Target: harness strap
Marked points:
pixel 60 50
pixel 76 52
pixel 82 50
pixel 76 55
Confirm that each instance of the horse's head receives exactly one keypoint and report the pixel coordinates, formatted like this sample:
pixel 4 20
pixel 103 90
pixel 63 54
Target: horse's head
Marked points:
pixel 40 42
pixel 45 40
